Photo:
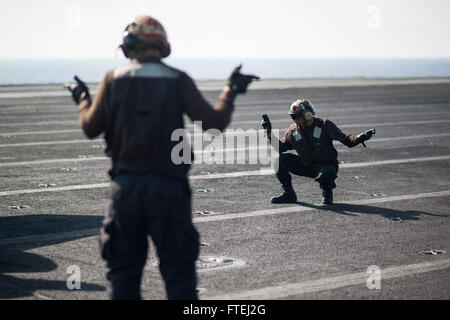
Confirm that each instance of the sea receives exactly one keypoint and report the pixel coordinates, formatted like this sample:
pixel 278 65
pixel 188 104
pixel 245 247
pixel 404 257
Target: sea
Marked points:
pixel 32 72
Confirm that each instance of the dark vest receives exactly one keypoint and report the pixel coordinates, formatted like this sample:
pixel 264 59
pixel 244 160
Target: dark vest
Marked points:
pixel 316 148
pixel 144 110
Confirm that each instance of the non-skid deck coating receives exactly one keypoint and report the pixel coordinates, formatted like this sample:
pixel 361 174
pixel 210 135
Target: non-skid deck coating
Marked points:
pixel 392 200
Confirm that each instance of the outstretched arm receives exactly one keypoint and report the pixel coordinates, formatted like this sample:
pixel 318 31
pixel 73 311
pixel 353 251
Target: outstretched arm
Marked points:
pixel 350 140
pixel 219 116
pixel 198 109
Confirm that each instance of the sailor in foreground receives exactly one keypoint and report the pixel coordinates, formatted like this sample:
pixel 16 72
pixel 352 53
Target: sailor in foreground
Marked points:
pixel 137 107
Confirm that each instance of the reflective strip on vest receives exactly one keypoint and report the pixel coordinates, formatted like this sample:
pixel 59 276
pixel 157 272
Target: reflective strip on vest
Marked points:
pixel 145 70
pixel 317 132
pixel 297 136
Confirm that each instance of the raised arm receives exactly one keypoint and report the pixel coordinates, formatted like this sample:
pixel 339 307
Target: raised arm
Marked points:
pixel 350 140
pixel 219 116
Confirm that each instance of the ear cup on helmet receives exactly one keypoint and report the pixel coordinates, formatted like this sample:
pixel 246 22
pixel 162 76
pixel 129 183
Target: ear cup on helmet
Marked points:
pixel 311 108
pixel 307 115
pixel 129 40
pixel 166 51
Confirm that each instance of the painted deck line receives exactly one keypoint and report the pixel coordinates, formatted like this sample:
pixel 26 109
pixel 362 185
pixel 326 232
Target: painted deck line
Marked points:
pixel 261 172
pixel 47 143
pixel 238 114
pixel 55 189
pixel 49 161
pixel 232 133
pixel 220 217
pixel 264 84
pixel 358 278
pixel 40 123
pixel 197 152
pixel 300 208
pixel 270 171
pixel 26 133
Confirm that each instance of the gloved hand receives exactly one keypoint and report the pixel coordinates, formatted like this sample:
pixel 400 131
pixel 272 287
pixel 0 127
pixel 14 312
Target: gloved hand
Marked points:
pixel 239 82
pixel 362 137
pixel 266 124
pixel 79 91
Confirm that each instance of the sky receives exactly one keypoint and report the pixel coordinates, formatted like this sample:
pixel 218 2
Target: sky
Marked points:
pixel 91 29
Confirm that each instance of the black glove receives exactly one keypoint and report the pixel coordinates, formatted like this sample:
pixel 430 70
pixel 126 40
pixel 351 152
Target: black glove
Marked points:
pixel 266 124
pixel 79 91
pixel 362 137
pixel 239 82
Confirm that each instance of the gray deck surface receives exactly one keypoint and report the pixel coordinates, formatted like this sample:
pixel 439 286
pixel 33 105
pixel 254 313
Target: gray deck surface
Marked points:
pixel 302 251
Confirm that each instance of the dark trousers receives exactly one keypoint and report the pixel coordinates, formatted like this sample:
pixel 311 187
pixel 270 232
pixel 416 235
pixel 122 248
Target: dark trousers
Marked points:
pixel 288 163
pixel 142 205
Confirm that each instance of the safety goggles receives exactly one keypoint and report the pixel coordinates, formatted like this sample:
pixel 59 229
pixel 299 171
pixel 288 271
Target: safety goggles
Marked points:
pixel 296 116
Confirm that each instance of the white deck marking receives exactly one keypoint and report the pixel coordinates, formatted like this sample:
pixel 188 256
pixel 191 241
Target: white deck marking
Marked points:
pixel 239 113
pixel 262 172
pixel 299 208
pixel 270 171
pixel 419 136
pixel 229 132
pixel 197 152
pixel 358 278
pixel 395 161
pixel 217 85
pixel 24 133
pixel 423 136
pixel 223 217
pixel 38 123
pixel 46 143
pixel 54 189
pixel 48 161
pixel 394 123
pixel 37 94
pixel 277 291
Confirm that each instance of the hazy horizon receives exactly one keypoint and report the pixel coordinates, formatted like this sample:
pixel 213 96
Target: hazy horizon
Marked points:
pixel 35 71
pixel 204 29
pixel 124 60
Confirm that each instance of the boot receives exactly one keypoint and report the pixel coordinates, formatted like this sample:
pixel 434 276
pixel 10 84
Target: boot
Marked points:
pixel 327 196
pixel 288 196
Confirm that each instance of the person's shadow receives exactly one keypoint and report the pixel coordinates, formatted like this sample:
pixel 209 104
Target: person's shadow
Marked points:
pixel 355 209
pixel 15 259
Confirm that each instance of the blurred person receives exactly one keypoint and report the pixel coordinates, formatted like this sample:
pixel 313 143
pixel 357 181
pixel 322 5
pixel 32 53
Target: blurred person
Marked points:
pixel 137 107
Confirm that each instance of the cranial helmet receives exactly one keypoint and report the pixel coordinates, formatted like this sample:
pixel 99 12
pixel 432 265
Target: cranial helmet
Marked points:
pixel 302 108
pixel 145 32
